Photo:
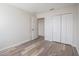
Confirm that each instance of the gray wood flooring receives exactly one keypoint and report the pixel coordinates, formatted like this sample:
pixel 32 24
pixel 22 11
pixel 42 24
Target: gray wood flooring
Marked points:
pixel 40 47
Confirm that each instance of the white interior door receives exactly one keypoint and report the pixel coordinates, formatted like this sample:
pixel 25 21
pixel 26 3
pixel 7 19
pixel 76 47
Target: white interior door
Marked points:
pixel 56 28
pixel 67 29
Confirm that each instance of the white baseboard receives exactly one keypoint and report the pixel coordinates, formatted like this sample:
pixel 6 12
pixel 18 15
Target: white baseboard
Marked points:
pixel 77 50
pixel 15 45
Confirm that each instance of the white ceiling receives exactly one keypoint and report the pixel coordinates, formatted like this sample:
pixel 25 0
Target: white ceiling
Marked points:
pixel 39 7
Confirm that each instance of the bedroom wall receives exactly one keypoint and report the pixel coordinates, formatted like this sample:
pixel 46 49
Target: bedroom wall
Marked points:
pixel 77 26
pixel 15 26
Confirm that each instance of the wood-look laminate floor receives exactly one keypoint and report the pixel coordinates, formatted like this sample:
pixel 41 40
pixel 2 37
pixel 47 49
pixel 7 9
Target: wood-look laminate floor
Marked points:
pixel 40 47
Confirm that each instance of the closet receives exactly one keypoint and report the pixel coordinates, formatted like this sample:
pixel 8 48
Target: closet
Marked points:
pixel 59 28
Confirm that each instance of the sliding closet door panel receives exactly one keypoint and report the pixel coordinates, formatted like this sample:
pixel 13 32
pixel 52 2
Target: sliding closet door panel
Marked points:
pixel 48 28
pixel 56 28
pixel 52 28
pixel 67 29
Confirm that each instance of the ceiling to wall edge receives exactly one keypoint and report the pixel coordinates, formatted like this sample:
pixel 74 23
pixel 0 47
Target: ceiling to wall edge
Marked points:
pixel 38 6
pixel 35 14
pixel 21 9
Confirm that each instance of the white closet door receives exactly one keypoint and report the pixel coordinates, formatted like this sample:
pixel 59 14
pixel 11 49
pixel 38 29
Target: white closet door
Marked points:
pixel 56 28
pixel 67 29
pixel 48 28
pixel 52 28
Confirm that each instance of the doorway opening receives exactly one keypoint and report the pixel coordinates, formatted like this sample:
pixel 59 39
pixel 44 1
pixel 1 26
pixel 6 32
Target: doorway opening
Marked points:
pixel 41 27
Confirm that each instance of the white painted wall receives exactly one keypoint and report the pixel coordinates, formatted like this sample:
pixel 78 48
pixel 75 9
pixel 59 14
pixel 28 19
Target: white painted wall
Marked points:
pixel 15 26
pixel 41 27
pixel 76 41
